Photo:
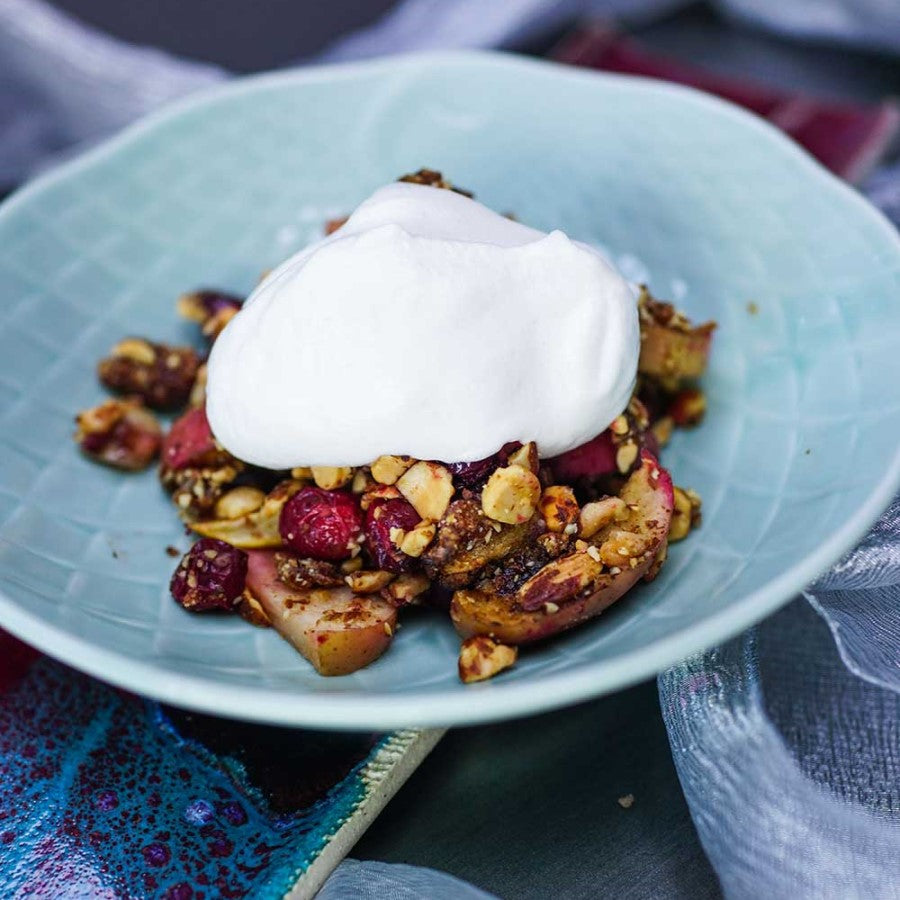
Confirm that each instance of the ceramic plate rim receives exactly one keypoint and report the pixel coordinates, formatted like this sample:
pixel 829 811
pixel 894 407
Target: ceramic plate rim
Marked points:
pixel 372 710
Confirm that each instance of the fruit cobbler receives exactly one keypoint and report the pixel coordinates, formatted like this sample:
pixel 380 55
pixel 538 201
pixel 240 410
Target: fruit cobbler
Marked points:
pixel 516 547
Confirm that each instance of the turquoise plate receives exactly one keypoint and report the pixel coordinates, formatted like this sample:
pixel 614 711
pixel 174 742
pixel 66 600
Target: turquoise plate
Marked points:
pixel 798 455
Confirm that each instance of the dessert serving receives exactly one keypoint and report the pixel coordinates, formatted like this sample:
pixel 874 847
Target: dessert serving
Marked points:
pixel 432 406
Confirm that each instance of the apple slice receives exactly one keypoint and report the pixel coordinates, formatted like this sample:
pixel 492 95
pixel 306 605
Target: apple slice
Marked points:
pixel 190 441
pixel 336 630
pixel 577 587
pixel 255 530
pixel 675 353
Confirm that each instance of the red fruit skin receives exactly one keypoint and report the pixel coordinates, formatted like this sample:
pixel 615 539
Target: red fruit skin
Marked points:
pixel 381 517
pixel 473 474
pixel 189 441
pixel 596 457
pixel 211 575
pixel 322 524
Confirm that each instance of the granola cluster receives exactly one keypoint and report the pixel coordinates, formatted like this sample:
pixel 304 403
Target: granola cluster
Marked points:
pixel 518 546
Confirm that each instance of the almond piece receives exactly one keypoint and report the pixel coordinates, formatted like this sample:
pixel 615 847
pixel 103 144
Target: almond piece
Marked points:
pixel 377 492
pixel 198 391
pixel 361 481
pixel 405 588
pixel 415 542
pixel 368 581
pixel 621 547
pixel 387 469
pixel 239 501
pixel 599 514
pixel 428 486
pixel 330 478
pixel 662 430
pixel 558 507
pixel 526 457
pixel 511 495
pixel 481 658
pixel 626 456
pixel 136 349
pixel 685 515
pixel 302 473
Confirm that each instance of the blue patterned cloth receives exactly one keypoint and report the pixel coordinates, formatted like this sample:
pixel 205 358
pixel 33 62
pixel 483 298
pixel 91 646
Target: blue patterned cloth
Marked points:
pixel 786 740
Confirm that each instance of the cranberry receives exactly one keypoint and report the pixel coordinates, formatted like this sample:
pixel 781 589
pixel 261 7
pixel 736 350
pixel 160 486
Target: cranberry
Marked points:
pixel 381 517
pixel 213 301
pixel 596 457
pixel 190 440
pixel 472 475
pixel 203 305
pixel 211 575
pixel 322 524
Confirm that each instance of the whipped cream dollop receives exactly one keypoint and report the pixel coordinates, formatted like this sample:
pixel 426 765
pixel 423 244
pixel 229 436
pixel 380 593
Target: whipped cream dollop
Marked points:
pixel 427 325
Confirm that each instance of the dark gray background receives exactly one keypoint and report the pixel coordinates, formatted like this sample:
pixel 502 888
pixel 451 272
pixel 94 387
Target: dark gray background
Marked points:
pixel 527 808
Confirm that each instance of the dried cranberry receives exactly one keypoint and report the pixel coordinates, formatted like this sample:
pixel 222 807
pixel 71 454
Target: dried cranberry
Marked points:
pixel 211 575
pixel 200 306
pixel 381 518
pixel 190 440
pixel 472 475
pixel 596 457
pixel 322 524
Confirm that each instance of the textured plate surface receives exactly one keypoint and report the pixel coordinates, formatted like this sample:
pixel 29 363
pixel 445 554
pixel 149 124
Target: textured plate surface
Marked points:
pixel 798 455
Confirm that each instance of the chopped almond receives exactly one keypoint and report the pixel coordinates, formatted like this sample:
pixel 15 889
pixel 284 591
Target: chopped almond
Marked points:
pixel 621 548
pixel 662 430
pixel 598 514
pixel 428 486
pixel 404 589
pixel 626 456
pixel 526 457
pixel 377 491
pixel 368 581
pixel 511 495
pixel 330 478
pixel 361 481
pixel 558 507
pixel 685 515
pixel 415 542
pixel 388 469
pixel 239 501
pixel 481 658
